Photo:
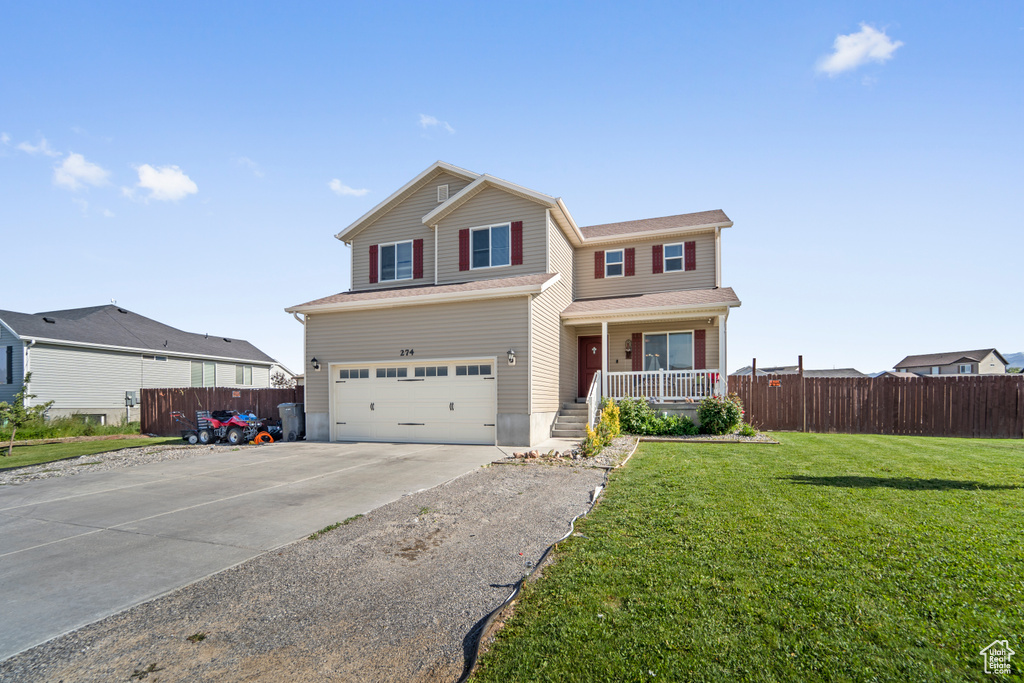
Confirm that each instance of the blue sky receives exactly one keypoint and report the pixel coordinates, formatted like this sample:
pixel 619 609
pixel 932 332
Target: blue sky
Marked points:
pixel 179 157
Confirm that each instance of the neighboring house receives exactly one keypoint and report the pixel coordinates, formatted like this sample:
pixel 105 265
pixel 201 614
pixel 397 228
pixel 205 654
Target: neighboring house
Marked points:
pixel 478 309
pixel 979 362
pixel 85 359
pixel 794 369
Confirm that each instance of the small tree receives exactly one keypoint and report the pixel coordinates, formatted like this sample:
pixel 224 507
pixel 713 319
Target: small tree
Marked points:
pixel 282 381
pixel 17 415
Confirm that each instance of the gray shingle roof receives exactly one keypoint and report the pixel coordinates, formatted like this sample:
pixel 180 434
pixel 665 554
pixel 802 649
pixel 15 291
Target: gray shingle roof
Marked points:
pixel 946 358
pixel 724 296
pixel 684 220
pixel 794 369
pixel 114 326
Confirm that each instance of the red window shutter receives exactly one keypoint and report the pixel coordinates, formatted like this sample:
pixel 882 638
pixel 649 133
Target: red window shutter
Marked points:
pixel 700 353
pixel 417 259
pixel 638 352
pixel 691 255
pixel 598 264
pixel 373 263
pixel 630 261
pixel 517 243
pixel 656 262
pixel 464 249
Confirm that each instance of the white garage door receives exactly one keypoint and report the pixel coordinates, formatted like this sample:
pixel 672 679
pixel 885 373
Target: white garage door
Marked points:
pixel 430 402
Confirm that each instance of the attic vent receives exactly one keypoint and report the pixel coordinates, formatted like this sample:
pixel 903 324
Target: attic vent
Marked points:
pixel 227 340
pixel 442 193
pixel 49 320
pixel 121 310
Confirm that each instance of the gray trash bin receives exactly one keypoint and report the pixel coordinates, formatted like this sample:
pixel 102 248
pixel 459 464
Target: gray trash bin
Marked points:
pixel 293 421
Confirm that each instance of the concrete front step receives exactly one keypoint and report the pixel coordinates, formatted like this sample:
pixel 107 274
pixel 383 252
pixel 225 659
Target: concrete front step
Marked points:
pixel 567 433
pixel 571 420
pixel 575 406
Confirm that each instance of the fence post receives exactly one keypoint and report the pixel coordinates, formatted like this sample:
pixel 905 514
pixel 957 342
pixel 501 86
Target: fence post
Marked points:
pixel 803 393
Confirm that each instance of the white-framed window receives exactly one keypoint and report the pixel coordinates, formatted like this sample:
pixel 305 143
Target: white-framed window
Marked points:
pixel 243 374
pixel 162 359
pixel 965 368
pixel 204 374
pixel 490 246
pixel 935 369
pixel 396 261
pixel 673 257
pixel 613 262
pixel 472 370
pixel 668 351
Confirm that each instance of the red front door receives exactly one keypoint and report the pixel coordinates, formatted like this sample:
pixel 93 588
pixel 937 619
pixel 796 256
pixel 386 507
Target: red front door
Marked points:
pixel 589 362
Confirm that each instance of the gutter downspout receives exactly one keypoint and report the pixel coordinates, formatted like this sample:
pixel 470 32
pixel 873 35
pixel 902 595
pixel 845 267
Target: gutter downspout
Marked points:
pixel 26 366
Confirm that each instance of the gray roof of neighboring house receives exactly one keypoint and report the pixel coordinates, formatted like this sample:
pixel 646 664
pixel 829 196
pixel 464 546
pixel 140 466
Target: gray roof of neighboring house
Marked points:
pixel 724 296
pixel 114 326
pixel 794 369
pixel 946 358
pixel 685 220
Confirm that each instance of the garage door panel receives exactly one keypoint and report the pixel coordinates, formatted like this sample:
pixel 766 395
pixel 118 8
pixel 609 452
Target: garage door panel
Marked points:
pixel 440 408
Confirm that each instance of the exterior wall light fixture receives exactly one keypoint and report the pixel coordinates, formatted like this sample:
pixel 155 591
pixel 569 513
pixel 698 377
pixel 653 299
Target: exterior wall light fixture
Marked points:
pixel 511 357
pixel 629 348
pixel 315 363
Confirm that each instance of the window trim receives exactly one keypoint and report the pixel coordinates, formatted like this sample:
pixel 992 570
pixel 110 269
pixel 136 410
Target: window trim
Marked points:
pixel 621 264
pixel 202 374
pixel 490 242
pixel 380 261
pixel 665 257
pixel 693 349
pixel 969 367
pixel 936 370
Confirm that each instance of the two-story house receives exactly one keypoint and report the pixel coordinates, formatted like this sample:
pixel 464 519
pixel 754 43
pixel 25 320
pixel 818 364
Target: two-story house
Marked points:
pixel 977 362
pixel 478 309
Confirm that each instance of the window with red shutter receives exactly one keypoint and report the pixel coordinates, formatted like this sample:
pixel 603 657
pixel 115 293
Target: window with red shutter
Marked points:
pixel 599 265
pixel 656 258
pixel 638 352
pixel 373 264
pixel 630 261
pixel 417 259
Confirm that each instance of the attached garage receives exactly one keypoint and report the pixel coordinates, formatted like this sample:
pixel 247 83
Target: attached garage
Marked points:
pixel 436 401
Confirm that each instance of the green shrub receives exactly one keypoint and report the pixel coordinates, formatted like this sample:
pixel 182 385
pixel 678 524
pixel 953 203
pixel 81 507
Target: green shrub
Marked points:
pixel 638 417
pixel 74 425
pixel 607 428
pixel 747 430
pixel 720 414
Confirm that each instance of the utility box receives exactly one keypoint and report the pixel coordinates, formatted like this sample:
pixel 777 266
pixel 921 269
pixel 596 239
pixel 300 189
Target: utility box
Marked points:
pixel 293 421
pixel 131 399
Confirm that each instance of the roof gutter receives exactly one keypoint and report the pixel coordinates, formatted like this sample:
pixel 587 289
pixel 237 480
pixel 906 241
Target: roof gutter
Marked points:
pixel 589 317
pixel 654 234
pixel 132 349
pixel 477 295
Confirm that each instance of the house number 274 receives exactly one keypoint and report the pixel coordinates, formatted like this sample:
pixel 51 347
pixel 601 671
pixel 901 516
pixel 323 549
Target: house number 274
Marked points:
pixel 408 352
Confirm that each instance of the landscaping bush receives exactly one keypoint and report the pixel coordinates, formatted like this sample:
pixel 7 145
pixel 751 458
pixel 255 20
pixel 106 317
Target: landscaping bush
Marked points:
pixel 638 417
pixel 607 428
pixel 720 414
pixel 747 430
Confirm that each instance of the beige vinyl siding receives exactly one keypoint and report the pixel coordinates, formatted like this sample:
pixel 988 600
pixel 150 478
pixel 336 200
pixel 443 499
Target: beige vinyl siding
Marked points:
pixel 561 258
pixel 991 365
pixel 403 222
pixel 488 207
pixel 552 348
pixel 619 333
pixel 13 385
pixel 437 331
pixel 646 282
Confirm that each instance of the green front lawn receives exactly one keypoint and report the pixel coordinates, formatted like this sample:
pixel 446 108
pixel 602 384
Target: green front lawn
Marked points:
pixel 830 557
pixel 35 455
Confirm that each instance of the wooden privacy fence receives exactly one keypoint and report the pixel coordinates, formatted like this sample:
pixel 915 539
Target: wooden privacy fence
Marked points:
pixel 156 404
pixel 990 406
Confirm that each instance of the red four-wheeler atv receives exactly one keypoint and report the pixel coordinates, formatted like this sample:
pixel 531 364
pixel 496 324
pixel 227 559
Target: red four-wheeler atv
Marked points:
pixel 223 425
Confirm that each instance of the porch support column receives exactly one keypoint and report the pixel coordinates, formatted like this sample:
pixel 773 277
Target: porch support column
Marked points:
pixel 604 358
pixel 722 369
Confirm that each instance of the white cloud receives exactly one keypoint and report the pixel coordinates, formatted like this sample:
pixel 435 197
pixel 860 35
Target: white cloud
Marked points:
pixel 107 213
pixel 75 171
pixel 344 190
pixel 42 148
pixel 251 165
pixel 5 138
pixel 854 50
pixel 427 121
pixel 166 183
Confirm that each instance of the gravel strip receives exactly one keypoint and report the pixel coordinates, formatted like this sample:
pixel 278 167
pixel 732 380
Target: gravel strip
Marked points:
pixel 392 596
pixel 111 460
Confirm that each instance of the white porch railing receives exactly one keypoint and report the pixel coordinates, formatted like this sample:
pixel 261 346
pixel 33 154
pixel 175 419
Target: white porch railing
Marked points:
pixel 594 399
pixel 664 385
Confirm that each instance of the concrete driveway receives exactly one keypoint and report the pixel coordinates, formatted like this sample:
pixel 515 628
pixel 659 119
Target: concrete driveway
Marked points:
pixel 76 549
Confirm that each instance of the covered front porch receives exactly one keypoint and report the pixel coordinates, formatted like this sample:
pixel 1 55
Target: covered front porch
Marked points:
pixel 657 346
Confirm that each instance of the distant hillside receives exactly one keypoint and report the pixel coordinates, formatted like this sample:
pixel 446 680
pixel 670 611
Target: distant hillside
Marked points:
pixel 1014 360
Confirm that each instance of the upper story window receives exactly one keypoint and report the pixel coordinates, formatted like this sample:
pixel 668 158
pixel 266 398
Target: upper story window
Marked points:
pixel 673 257
pixel 965 368
pixel 935 369
pixel 490 246
pixel 396 261
pixel 613 261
